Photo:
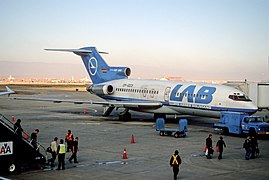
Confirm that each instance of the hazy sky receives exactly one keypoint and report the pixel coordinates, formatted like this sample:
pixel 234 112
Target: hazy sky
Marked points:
pixel 194 39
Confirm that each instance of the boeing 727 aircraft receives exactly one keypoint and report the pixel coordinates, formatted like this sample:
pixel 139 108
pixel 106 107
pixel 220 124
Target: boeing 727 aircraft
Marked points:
pixel 8 92
pixel 153 96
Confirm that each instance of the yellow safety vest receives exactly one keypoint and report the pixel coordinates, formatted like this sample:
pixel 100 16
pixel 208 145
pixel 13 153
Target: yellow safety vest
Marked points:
pixel 175 160
pixel 62 148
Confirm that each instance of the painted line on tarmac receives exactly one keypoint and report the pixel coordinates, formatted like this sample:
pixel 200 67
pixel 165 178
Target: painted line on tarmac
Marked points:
pixel 2 178
pixel 111 162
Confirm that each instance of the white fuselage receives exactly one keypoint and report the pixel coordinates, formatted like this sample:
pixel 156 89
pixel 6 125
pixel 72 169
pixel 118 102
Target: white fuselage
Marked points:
pixel 199 99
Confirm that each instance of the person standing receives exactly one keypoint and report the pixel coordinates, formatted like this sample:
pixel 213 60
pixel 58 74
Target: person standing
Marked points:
pixel 69 139
pixel 175 161
pixel 209 147
pixel 34 138
pixel 220 145
pixel 18 129
pixel 247 146
pixel 74 151
pixel 61 155
pixel 53 146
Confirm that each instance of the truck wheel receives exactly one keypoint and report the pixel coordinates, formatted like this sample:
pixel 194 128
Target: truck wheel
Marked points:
pixel 176 135
pixel 12 168
pixel 225 131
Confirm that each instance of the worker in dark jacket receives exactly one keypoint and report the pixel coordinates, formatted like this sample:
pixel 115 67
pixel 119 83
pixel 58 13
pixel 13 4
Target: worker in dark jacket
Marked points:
pixel 34 139
pixel 220 145
pixel 253 146
pixel 74 151
pixel 209 146
pixel 175 161
pixel 61 155
pixel 247 146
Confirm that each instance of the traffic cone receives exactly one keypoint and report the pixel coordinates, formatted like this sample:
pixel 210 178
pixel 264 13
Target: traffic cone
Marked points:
pixel 132 140
pixel 124 154
pixel 12 119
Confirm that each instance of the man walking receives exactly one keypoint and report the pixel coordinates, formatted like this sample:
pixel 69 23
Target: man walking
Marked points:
pixel 175 161
pixel 74 151
pixel 209 146
pixel 247 146
pixel 53 146
pixel 34 139
pixel 18 129
pixel 220 145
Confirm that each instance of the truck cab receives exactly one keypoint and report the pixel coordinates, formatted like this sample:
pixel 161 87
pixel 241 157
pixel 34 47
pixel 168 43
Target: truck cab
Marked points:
pixel 255 125
pixel 240 123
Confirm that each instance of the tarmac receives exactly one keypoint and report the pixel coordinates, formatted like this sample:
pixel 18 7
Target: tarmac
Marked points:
pixel 103 139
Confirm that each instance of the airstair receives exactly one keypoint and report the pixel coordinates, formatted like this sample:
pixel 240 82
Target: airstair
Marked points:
pixel 16 150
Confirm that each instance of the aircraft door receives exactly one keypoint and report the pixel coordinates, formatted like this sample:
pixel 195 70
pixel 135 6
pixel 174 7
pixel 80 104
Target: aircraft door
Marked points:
pixel 167 94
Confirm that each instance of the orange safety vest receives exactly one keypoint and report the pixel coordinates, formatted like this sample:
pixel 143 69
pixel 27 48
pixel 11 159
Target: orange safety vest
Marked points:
pixel 69 137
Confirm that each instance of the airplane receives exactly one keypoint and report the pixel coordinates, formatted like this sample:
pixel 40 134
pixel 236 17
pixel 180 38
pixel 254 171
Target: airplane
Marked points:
pixel 153 96
pixel 8 92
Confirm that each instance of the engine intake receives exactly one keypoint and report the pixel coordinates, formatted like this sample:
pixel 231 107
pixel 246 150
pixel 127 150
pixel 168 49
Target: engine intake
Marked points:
pixel 101 89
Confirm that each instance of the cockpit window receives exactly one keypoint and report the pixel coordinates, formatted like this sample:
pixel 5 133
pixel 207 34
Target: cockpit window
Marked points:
pixel 238 97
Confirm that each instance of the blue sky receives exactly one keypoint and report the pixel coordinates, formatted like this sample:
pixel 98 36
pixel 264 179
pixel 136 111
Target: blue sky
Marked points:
pixel 194 39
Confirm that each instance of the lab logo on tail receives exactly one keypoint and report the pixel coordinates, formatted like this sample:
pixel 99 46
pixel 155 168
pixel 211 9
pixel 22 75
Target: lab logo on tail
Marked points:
pixel 93 66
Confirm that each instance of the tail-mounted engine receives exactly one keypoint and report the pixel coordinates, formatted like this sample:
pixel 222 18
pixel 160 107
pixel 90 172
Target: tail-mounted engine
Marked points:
pixel 120 71
pixel 101 89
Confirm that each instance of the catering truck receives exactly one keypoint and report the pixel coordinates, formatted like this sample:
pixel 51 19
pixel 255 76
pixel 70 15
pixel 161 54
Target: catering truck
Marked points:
pixel 241 123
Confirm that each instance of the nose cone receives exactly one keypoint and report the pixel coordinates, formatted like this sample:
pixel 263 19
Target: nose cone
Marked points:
pixel 251 108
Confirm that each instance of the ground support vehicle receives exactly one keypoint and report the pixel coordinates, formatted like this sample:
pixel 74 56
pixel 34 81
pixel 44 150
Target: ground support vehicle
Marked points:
pixel 240 123
pixel 179 132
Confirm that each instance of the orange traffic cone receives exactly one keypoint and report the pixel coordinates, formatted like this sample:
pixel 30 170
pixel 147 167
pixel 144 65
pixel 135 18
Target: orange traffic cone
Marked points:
pixel 132 140
pixel 124 154
pixel 12 119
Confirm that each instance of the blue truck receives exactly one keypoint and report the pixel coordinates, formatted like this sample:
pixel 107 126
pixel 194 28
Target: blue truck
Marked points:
pixel 179 132
pixel 241 123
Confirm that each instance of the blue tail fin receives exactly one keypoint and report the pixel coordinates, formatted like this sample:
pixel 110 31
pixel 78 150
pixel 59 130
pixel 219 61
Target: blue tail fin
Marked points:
pixel 96 66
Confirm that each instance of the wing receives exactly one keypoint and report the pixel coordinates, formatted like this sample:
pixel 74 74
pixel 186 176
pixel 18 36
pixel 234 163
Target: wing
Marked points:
pixel 9 91
pixel 117 104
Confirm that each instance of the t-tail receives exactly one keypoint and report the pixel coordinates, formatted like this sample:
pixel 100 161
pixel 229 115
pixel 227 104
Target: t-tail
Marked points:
pixel 96 66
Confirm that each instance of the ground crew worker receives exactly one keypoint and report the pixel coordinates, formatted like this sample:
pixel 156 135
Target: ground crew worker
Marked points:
pixel 69 139
pixel 61 155
pixel 220 145
pixel 74 151
pixel 175 161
